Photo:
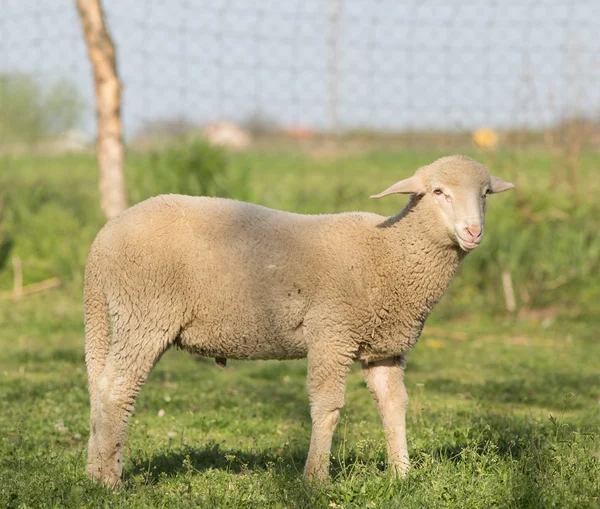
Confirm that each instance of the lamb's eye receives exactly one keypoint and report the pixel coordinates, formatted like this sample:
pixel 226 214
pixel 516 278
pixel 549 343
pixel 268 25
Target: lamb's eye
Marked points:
pixel 438 192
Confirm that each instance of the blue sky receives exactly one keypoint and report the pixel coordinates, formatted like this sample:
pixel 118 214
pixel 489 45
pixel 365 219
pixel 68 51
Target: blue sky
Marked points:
pixel 401 65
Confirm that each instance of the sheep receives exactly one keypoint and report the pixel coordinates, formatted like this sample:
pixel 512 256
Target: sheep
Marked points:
pixel 226 279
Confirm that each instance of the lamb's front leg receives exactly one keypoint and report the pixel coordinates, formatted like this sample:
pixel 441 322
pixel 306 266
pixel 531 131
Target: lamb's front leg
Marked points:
pixel 385 380
pixel 326 382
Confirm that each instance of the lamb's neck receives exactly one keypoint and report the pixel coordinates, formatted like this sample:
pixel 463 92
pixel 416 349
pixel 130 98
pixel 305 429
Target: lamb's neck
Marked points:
pixel 421 258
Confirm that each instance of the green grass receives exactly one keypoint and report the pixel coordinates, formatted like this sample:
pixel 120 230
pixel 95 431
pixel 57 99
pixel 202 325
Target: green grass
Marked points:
pixel 504 412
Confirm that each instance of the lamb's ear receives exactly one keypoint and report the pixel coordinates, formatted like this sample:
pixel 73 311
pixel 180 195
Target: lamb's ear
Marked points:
pixel 411 185
pixel 499 186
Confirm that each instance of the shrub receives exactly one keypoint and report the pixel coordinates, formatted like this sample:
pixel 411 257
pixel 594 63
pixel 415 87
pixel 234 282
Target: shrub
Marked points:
pixel 193 167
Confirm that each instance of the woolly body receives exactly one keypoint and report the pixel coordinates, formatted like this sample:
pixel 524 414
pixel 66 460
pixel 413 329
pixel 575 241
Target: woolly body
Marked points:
pixel 241 281
pixel 226 279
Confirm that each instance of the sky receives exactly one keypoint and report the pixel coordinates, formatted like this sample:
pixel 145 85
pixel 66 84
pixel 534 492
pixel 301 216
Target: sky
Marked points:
pixel 385 64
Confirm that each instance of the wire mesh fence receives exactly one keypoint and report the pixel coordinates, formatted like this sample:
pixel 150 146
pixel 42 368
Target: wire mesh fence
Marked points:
pixel 338 66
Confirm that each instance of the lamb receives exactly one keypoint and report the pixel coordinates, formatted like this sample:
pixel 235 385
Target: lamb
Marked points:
pixel 226 279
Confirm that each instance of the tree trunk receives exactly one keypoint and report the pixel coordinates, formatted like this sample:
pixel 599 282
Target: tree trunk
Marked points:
pixel 109 147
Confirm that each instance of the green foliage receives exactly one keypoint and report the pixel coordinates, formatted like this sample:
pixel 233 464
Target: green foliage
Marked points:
pixel 28 113
pixel 62 107
pixel 50 217
pixel 19 109
pixel 547 241
pixel 51 211
pixel 193 167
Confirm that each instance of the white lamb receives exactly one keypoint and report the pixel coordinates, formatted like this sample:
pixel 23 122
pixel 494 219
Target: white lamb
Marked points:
pixel 226 279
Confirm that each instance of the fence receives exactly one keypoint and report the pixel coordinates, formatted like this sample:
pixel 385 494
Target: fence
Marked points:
pixel 331 66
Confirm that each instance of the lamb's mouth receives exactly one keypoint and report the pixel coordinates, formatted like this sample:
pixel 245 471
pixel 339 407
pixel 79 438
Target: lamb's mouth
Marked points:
pixel 467 245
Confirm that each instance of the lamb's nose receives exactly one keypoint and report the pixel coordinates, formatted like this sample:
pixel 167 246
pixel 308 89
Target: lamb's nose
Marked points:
pixel 474 231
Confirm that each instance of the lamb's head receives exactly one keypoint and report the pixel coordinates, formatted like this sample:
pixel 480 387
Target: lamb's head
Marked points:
pixel 455 188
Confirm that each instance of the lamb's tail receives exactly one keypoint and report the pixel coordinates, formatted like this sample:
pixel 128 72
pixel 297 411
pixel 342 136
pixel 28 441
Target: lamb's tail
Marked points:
pixel 97 323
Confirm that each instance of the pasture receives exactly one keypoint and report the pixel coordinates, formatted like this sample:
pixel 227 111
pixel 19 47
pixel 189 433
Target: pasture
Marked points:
pixel 504 406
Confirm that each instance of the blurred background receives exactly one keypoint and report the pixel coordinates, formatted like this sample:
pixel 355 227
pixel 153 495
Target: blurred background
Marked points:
pixel 312 106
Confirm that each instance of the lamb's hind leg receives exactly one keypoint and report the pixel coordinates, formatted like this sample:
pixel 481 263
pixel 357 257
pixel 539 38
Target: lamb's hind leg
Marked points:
pixel 130 360
pixel 386 383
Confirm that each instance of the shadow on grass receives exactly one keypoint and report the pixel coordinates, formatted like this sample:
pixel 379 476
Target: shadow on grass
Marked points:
pixel 486 435
pixel 280 472
pixel 213 457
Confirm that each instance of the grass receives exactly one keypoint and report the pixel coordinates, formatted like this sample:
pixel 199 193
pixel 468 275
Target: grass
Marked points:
pixel 508 419
pixel 504 412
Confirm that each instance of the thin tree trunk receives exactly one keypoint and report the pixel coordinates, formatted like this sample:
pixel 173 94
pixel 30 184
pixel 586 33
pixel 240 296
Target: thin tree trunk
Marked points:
pixel 110 150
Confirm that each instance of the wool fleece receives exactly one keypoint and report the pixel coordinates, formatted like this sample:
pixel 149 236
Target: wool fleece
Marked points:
pixel 232 280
